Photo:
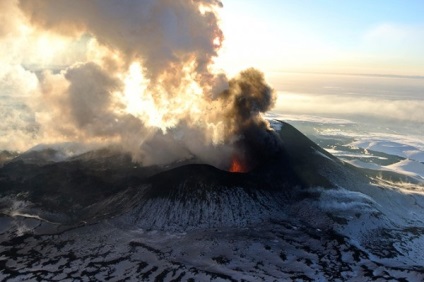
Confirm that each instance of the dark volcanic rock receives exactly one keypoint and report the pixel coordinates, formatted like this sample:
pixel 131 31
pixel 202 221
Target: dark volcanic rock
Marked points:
pixel 300 215
pixel 80 186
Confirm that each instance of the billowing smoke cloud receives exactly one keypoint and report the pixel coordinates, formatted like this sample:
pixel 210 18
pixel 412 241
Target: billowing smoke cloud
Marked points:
pixel 142 76
pixel 248 97
pixel 167 35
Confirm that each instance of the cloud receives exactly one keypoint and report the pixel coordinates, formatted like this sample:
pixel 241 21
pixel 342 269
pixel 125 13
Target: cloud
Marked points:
pixel 78 64
pixel 165 35
pixel 405 110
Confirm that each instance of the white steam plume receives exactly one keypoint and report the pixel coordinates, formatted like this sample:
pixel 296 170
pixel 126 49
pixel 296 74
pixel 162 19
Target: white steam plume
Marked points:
pixel 141 75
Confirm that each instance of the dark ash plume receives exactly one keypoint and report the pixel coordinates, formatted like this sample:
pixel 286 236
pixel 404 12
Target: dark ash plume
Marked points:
pixel 146 81
pixel 247 98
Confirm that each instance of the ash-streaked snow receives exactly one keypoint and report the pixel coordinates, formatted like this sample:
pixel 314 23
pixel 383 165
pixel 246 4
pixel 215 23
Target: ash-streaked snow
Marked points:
pixel 338 223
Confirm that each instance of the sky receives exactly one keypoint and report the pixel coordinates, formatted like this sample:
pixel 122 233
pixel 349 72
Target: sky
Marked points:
pixel 326 36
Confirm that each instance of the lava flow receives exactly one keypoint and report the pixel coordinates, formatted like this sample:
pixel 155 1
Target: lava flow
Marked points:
pixel 238 166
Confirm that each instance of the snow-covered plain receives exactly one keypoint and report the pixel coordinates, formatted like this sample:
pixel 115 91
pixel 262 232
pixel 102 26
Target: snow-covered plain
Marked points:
pixel 364 145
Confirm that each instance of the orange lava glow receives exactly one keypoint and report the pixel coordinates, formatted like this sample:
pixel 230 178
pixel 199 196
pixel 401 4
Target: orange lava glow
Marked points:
pixel 237 166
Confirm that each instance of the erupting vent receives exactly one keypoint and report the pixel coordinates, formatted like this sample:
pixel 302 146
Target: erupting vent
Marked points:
pixel 238 166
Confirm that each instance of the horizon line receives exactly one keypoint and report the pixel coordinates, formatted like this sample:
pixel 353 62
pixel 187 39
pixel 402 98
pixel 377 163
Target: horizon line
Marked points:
pixel 354 74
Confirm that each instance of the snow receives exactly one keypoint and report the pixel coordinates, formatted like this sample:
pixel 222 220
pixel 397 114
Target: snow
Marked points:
pixel 361 164
pixel 408 167
pixel 401 147
pixel 322 154
pixel 308 118
pixel 335 234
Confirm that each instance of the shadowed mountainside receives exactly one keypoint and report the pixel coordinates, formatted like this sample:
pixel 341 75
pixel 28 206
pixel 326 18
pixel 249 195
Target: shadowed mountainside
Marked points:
pixel 105 182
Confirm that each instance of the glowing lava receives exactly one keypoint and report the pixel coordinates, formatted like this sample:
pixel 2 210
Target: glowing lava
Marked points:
pixel 237 166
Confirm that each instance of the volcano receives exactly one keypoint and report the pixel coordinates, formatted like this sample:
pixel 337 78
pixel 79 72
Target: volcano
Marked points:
pixel 299 213
pixel 237 165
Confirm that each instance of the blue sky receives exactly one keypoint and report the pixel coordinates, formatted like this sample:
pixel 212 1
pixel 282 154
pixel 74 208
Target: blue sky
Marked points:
pixel 385 37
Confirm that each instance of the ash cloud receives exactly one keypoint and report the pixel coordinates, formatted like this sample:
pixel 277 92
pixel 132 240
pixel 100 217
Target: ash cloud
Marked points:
pixel 248 97
pixel 165 35
pixel 89 94
pixel 183 108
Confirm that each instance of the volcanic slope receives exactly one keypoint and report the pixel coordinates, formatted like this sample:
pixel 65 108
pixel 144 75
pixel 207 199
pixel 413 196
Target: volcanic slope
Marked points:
pixel 300 214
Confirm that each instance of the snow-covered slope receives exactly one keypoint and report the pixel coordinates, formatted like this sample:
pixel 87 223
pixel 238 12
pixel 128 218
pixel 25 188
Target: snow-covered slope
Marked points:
pixel 302 214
